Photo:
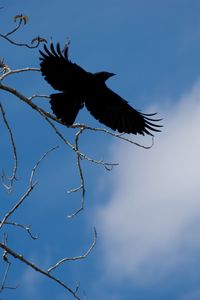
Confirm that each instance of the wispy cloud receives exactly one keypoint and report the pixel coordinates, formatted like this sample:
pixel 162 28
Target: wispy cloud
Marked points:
pixel 151 222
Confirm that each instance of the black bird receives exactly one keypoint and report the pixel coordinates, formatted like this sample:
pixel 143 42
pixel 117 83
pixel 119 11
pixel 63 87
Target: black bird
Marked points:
pixel 79 87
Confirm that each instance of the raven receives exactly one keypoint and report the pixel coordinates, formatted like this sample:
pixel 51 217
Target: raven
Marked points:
pixel 79 87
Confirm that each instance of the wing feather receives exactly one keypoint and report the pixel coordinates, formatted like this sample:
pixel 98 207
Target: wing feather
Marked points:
pixel 115 112
pixel 59 71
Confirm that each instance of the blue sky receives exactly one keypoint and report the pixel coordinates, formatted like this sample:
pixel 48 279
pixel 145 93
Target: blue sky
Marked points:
pixel 147 209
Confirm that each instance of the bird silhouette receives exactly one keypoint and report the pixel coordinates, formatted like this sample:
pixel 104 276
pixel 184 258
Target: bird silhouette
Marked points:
pixel 78 88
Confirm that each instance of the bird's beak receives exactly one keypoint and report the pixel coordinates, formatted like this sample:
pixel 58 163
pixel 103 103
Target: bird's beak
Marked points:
pixel 111 74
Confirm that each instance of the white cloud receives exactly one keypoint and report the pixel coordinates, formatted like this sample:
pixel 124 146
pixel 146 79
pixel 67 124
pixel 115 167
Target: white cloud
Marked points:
pixel 151 221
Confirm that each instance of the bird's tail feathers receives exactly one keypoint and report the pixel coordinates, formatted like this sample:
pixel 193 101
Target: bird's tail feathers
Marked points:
pixel 65 107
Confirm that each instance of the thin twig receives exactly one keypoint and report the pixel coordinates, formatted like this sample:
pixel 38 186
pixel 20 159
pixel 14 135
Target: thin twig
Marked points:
pixel 11 72
pixel 107 165
pixel 5 276
pixel 27 101
pixel 39 161
pixel 58 132
pixel 13 177
pixel 74 190
pixel 117 135
pixel 29 190
pixel 83 256
pixel 36 268
pixel 38 40
pixel 3 284
pixel 15 29
pixel 16 206
pixel 22 20
pixel 38 96
pixel 82 186
pixel 27 228
pixel 8 265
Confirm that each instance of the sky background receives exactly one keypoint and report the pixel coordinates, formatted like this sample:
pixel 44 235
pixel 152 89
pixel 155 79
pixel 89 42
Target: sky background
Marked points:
pixel 146 210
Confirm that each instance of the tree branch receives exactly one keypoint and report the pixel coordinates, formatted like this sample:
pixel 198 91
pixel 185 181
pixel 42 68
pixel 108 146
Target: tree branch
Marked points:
pixel 10 72
pixel 5 277
pixel 22 21
pixel 75 257
pixel 36 268
pixel 29 190
pixel 82 186
pixel 27 228
pixel 13 177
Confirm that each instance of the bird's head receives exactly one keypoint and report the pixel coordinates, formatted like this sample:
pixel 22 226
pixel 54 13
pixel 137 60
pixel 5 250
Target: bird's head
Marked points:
pixel 104 75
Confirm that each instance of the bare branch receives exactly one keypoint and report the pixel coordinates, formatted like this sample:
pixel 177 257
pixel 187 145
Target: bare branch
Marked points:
pixel 10 72
pixel 80 156
pixel 107 165
pixel 29 190
pixel 36 268
pixel 117 135
pixel 20 18
pixel 82 186
pixel 5 277
pixel 22 21
pixel 38 96
pixel 83 256
pixel 27 101
pixel 16 206
pixel 37 42
pixel 39 161
pixel 57 131
pixel 74 191
pixel 13 177
pixel 3 285
pixel 27 228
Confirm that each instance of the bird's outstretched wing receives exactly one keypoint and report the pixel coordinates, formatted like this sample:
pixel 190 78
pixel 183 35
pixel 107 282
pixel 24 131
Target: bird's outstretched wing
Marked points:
pixel 113 111
pixel 59 71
